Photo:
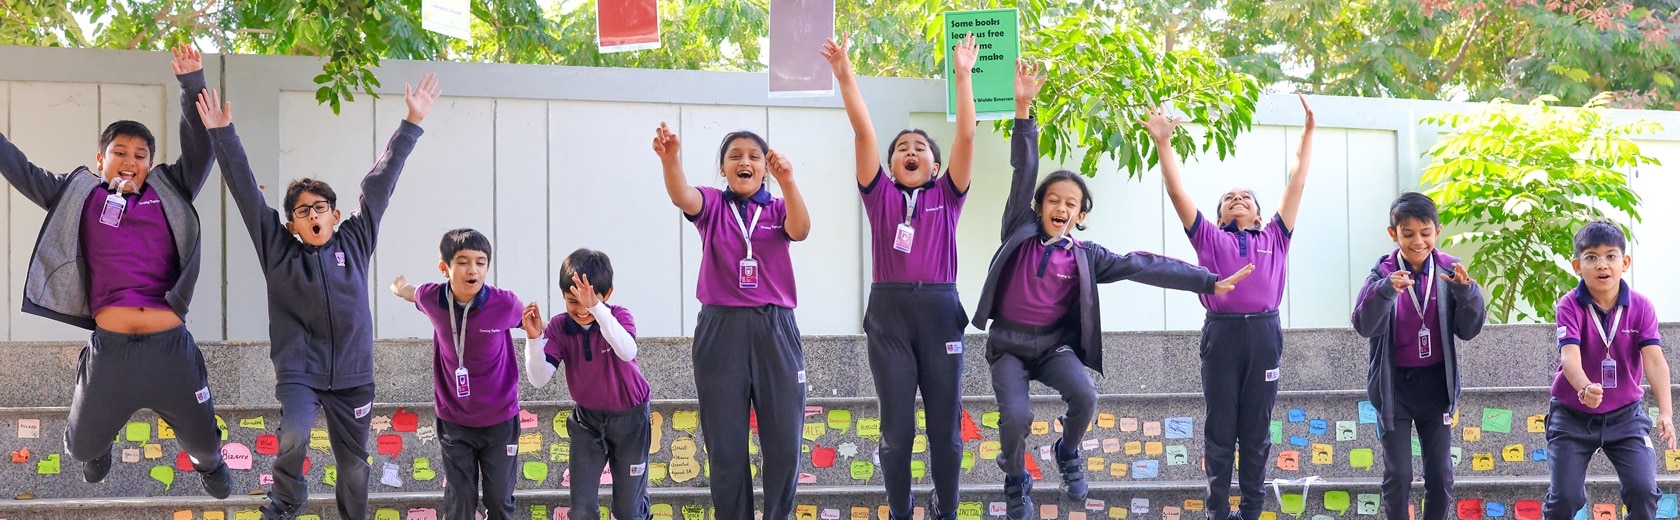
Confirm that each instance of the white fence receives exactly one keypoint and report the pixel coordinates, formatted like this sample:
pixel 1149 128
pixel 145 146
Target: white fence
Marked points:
pixel 548 159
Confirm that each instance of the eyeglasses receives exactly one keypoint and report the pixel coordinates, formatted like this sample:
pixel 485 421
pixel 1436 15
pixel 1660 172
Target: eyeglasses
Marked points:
pixel 1592 260
pixel 318 207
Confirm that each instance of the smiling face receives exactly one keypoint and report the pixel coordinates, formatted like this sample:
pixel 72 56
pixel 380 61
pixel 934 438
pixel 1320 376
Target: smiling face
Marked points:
pixel 1416 239
pixel 466 271
pixel 1238 205
pixel 1060 209
pixel 126 157
pixel 743 165
pixel 313 219
pixel 913 159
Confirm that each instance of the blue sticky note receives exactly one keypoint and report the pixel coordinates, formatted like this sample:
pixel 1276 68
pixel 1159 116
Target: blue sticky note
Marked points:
pixel 1367 413
pixel 1298 440
pixel 1668 506
pixel 1180 428
pixel 1149 469
pixel 1318 427
pixel 1495 510
pixel 1297 415
pixel 1585 513
pixel 1539 454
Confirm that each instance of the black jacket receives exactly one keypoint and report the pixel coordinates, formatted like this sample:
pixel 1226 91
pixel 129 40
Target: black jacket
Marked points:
pixel 1459 310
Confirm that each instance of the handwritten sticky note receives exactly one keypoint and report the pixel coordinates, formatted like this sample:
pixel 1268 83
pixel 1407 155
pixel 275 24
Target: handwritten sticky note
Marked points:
pixel 1367 415
pixel 527 419
pixel 389 445
pixel 164 430
pixel 1472 434
pixel 131 455
pixel 1318 426
pixel 421 513
pixel 684 447
pixel 1140 506
pixel 1119 470
pixel 990 449
pixel 29 428
pixel 815 430
pixel 1180 428
pixel 1668 506
pixel 379 424
pixel 1299 440
pixel 684 469
pixel 1513 453
pixel 405 421
pixel 530 443
pixel 1537 423
pixel 1470 509
pixel 151 451
pixel 318 439
pixel 1152 448
pixel 267 445
pixel 1111 445
pixel 1292 503
pixel 918 469
pixel 1604 512
pixel 236 455
pixel 1152 429
pixel 1128 424
pixel 392 475
pixel 1289 460
pixel 862 470
pixel 990 419
pixel 1169 513
pixel 1494 509
pixel 423 469
pixel 329 475
pixel 49 465
pixel 1040 427
pixel 1189 505
pixel 535 471
pixel 869 428
pixel 1369 503
pixel 1671 460
pixel 1539 454
pixel 1481 461
pixel 137 432
pixel 1347 431
pixel 1337 500
pixel 1146 469
pixel 1177 455
pixel 840 420
pixel 1457 454
pixel 1105 420
pixel 1134 447
pixel 1095 464
pixel 559 424
pixel 1323 454
pixel 919 444
pixel 1297 415
pixel 967 461
pixel 1496 420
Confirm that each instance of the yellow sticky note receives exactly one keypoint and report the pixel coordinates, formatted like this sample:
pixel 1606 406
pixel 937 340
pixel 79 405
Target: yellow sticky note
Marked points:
pixel 684 469
pixel 1481 462
pixel 1537 423
pixel 1040 427
pixel 1105 420
pixel 1671 459
pixel 1192 505
pixel 164 430
pixel 805 512
pixel 1117 513
pixel 1152 448
pixel 215 515
pixel 1323 454
pixel 989 450
pixel 1267 515
pixel 815 430
pixel 152 451
pixel 530 443
pixel 252 514
pixel 860 513
pixel 1118 470
pixel 656 423
pixel 253 423
pixel 1094 464
pixel 685 420
pixel 684 448
pixel 318 439
pixel 1472 434
pixel 1134 448
pixel 1513 453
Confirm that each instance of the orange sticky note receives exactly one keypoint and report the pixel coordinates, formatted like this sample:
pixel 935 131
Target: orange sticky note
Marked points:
pixel 1604 512
pixel 1152 448
pixel 1289 461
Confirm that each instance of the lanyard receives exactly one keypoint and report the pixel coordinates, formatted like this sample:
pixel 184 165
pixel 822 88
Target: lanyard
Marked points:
pixel 1607 335
pixel 458 331
pixel 910 203
pixel 746 229
pixel 1428 290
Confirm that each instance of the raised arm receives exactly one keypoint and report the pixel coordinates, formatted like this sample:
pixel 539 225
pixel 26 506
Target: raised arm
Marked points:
pixel 961 165
pixel 1023 149
pixel 1298 175
pixel 378 184
pixel 684 197
pixel 261 221
pixel 192 169
pixel 863 131
pixel 1161 130
pixel 1469 309
pixel 403 289
pixel 798 220
pixel 35 183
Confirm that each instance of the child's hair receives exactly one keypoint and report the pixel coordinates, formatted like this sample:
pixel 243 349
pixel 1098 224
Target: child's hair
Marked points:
pixel 1413 206
pixel 1599 233
pixel 463 239
pixel 128 128
pixel 587 263
pixel 723 149
pixel 1085 201
pixel 1219 208
pixel 319 188
pixel 892 148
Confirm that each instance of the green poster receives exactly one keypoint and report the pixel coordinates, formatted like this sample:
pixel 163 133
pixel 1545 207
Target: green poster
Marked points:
pixel 997 33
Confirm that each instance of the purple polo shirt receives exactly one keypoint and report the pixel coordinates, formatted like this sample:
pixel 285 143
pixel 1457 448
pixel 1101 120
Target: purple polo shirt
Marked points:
pixel 134 263
pixel 1638 329
pixel 933 245
pixel 723 248
pixel 1041 285
pixel 1406 320
pixel 492 371
pixel 597 378
pixel 1225 252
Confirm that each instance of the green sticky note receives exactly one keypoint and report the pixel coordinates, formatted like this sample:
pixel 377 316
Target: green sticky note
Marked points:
pixel 559 424
pixel 221 424
pixel 1177 455
pixel 329 475
pixel 1361 458
pixel 138 432
pixel 310 516
pixel 997 33
pixel 164 474
pixel 969 510
pixel 918 469
pixel 1457 455
pixel 536 471
pixel 423 469
pixel 862 469
pixel 1417 447
pixel 560 451
pixel 1337 501
pixel 919 444
pixel 1496 420
pixel 840 420
pixel 990 419
pixel 1292 503
pixel 1347 430
pixel 49 465
pixel 694 512
pixel 815 430
pixel 968 461
pixel 254 423
pixel 540 512
pixel 687 421
pixel 921 419
pixel 1277 432
pixel 869 428
pixel 386 513
pixel 1369 503
pixel 663 510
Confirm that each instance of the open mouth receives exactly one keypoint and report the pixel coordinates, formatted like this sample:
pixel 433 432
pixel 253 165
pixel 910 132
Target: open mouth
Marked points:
pixel 912 165
pixel 1604 277
pixel 744 174
pixel 316 229
pixel 1059 222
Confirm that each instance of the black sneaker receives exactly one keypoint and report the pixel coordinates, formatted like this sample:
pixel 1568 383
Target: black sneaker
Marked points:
pixel 1073 474
pixel 276 510
pixel 218 482
pixel 95 470
pixel 939 513
pixel 1017 493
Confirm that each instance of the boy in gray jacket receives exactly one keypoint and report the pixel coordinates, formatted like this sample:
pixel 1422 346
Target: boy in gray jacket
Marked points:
pixel 319 319
pixel 119 254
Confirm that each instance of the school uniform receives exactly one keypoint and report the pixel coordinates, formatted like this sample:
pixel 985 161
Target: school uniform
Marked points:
pixel 1413 375
pixel 1040 299
pixel 914 327
pixel 98 249
pixel 1242 342
pixel 320 321
pixel 747 352
pixel 476 393
pixel 611 424
pixel 1619 426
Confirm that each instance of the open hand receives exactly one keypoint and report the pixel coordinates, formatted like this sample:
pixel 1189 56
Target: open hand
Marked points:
pixel 186 59
pixel 964 55
pixel 1029 79
pixel 420 99
pixel 212 111
pixel 1159 125
pixel 583 292
pixel 1230 282
pixel 838 62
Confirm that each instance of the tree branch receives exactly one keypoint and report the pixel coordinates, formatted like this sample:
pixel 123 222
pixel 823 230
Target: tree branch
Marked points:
pixel 1463 50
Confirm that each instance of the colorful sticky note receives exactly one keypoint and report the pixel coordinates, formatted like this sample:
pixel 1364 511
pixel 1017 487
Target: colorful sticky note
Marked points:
pixel 151 451
pixel 967 461
pixel 1513 453
pixel 50 465
pixel 1604 512
pixel 1472 434
pixel 1367 414
pixel 165 431
pixel 253 423
pixel 869 428
pixel 1318 427
pixel 822 457
pixel 236 455
pixel 1496 420
pixel 527 419
pixel 535 471
pixel 684 448
pixel 1289 460
pixel 685 421
pixel 29 428
pixel 423 469
pixel 1040 427
pixel 1369 503
pixel 1111 445
pixel 1105 420
pixel 1481 461
pixel 1470 509
pixel 1668 506
pixel 1128 424
pixel 1347 431
pixel 840 420
pixel 164 474
pixel 329 475
pixel 404 421
pixel 684 469
pixel 318 439
pixel 1457 454
pixel 918 469
pixel 1539 454
pixel 990 419
pixel 1292 503
pixel 1146 469
pixel 990 449
pixel 137 432
pixel 862 470
pixel 815 430
pixel 1152 448
pixel 1494 509
pixel 389 445
pixel 1361 458
pixel 1152 428
pixel 1277 432
pixel 530 443
pixel 1180 428
pixel 1297 415
pixel 1537 423
pixel 1299 440
pixel 1177 455
pixel 1134 447
pixel 1323 454
pixel 1337 500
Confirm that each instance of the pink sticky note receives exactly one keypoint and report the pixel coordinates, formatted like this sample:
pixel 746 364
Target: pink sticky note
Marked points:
pixel 527 420
pixel 422 513
pixel 236 455
pixel 265 479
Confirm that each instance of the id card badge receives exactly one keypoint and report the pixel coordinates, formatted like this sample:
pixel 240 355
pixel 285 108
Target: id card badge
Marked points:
pixel 749 273
pixel 112 214
pixel 461 388
pixel 1608 378
pixel 905 236
pixel 1424 348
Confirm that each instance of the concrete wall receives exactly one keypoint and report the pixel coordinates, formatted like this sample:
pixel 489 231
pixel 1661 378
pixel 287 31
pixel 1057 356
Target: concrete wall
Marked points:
pixel 548 159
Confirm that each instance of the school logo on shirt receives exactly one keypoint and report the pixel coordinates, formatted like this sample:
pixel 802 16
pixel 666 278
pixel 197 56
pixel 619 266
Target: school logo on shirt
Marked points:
pixel 491 331
pixel 145 202
pixel 1064 276
pixel 933 209
pixel 1263 251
